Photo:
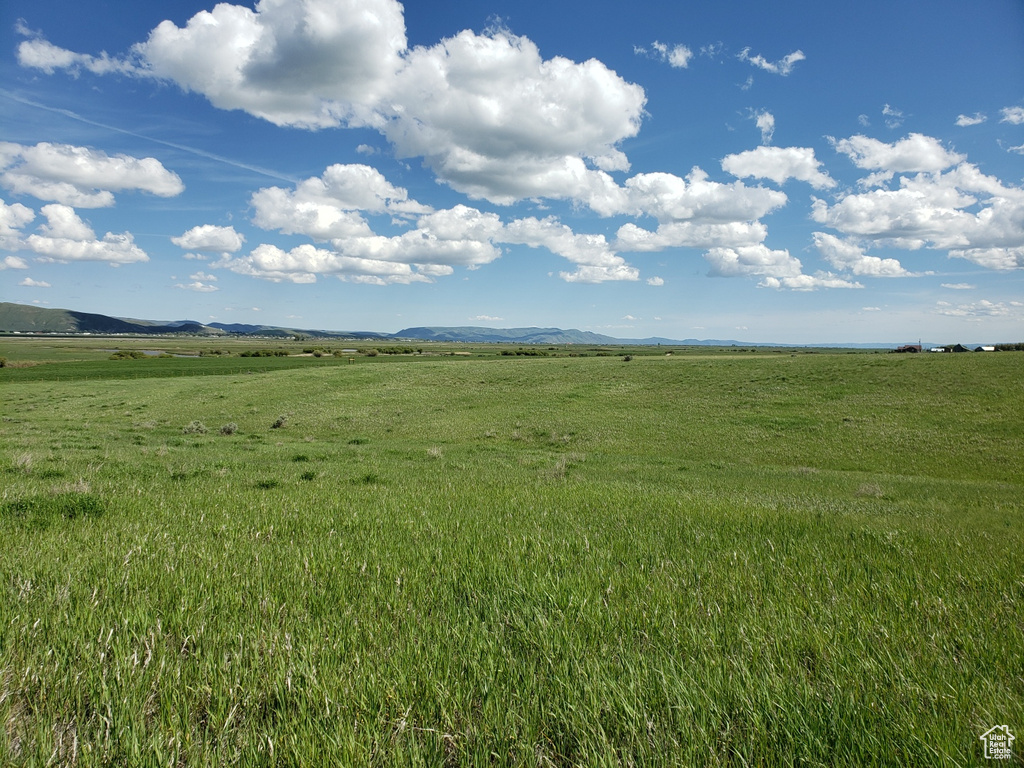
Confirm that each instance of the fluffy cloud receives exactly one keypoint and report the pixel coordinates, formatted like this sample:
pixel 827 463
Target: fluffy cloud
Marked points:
pixel 209 238
pixel 992 258
pixel 942 202
pixel 962 209
pixel 848 256
pixel 779 164
pixel 40 54
pixel 303 263
pixel 781 67
pixel 66 238
pixel 778 268
pixel 81 177
pixel 914 154
pixel 752 260
pixel 12 219
pixel 489 115
pixel 312 63
pixel 28 282
pixel 688 234
pixel 668 197
pixel 981 309
pixel 327 207
pixel 808 282
pixel 13 262
pixel 596 261
pixel 692 212
pixel 495 120
pixel 440 241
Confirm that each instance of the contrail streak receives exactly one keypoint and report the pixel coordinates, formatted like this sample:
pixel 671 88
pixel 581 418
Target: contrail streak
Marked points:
pixel 191 150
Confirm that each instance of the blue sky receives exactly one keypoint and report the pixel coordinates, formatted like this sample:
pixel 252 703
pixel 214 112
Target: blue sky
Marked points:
pixel 797 172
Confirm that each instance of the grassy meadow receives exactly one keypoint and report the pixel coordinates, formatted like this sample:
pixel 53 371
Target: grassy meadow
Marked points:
pixel 713 557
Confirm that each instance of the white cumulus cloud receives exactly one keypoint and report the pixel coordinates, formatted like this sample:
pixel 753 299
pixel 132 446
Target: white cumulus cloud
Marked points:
pixel 973 215
pixel 848 256
pixel 65 238
pixel 79 176
pixel 209 238
pixel 13 219
pixel 596 261
pixel 329 206
pixel 779 164
pixel 487 112
pixel 494 119
pixel 915 153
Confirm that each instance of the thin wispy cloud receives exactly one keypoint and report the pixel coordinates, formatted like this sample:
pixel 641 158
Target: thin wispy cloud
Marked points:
pixel 173 145
pixel 968 120
pixel 782 66
pixel 677 55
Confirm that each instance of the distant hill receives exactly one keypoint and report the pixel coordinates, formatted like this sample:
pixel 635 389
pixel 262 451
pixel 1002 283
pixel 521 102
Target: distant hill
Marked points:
pixel 275 330
pixel 475 334
pixel 22 318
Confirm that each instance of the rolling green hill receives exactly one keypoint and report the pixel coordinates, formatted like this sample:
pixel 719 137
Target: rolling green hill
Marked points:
pixel 21 318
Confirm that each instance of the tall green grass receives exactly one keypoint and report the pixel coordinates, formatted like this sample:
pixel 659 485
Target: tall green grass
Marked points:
pixel 731 560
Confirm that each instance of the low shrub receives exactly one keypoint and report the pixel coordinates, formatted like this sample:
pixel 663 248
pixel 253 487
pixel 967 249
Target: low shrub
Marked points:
pixel 194 428
pixel 229 428
pixel 279 422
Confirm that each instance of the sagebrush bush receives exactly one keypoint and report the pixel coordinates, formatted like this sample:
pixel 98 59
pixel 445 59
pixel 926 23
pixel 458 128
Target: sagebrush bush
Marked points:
pixel 194 428
pixel 229 429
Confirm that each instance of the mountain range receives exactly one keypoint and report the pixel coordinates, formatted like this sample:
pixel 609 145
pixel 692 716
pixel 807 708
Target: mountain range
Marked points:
pixel 22 318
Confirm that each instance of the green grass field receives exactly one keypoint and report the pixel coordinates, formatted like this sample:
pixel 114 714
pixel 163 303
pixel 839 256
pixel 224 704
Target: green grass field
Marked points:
pixel 708 558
